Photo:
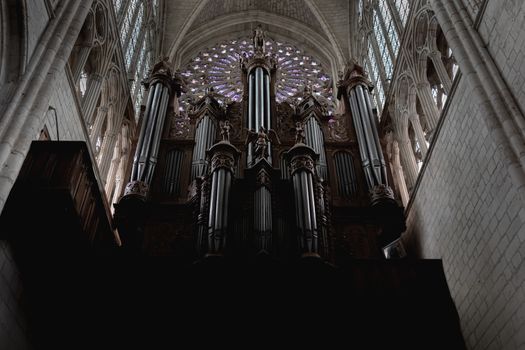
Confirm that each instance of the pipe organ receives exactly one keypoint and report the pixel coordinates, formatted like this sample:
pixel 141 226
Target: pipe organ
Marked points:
pixel 204 138
pixel 219 194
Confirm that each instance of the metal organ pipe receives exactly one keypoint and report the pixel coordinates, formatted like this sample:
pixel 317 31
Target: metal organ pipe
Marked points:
pixel 369 145
pixel 149 140
pixel 314 139
pixel 259 111
pixel 157 134
pixel 204 138
pixel 268 124
pixel 251 87
pixel 303 165
pixel 222 162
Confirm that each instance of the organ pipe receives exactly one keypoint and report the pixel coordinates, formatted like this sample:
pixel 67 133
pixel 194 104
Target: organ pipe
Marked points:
pixel 302 160
pixel 204 138
pixel 161 87
pixel 222 155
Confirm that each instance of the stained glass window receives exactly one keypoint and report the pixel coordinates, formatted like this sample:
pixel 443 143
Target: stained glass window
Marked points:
pixel 383 49
pixel 376 78
pixel 389 27
pixel 402 7
pixel 373 78
pixel 218 67
pixel 128 21
pixel 118 6
pixel 360 9
pixel 134 37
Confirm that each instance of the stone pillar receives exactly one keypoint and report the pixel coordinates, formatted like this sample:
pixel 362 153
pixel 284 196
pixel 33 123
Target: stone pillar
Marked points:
pixel 106 154
pixel 420 135
pixel 398 174
pixel 424 93
pixel 408 160
pixel 501 113
pixel 302 160
pixel 82 58
pixel 89 102
pixel 26 110
pixel 222 157
pixel 113 168
pixel 102 113
pixel 435 56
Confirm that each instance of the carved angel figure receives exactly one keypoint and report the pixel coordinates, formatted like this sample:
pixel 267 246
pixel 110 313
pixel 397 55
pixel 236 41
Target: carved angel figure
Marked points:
pixel 299 132
pixel 258 39
pixel 225 130
pixel 262 138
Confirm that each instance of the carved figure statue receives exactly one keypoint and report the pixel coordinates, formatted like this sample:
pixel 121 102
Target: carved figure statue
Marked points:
pixel 258 39
pixel 262 138
pixel 299 132
pixel 225 130
pixel 162 67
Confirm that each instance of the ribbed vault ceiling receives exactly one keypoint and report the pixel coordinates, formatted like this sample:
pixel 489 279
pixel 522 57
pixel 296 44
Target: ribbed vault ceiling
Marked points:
pixel 319 27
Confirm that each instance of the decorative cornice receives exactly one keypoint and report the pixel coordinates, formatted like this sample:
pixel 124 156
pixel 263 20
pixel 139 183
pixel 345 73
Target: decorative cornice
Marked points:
pixel 136 189
pixel 223 155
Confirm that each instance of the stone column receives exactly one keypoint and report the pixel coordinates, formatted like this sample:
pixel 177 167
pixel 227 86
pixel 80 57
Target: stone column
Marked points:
pixel 501 114
pixel 408 160
pixel 89 102
pixel 25 112
pixel 102 113
pixel 398 174
pixel 420 135
pixel 83 56
pixel 435 56
pixel 113 167
pixel 424 93
pixel 106 154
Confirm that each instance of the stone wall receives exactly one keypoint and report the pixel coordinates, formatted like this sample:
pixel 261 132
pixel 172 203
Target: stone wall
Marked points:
pixel 68 112
pixel 466 210
pixel 502 30
pixel 37 19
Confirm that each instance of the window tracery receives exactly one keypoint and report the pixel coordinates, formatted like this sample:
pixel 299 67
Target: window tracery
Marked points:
pixel 218 67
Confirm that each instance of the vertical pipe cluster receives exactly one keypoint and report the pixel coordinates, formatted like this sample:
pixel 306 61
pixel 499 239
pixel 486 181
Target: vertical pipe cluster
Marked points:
pixel 303 171
pixel 222 171
pixel 202 217
pixel 365 126
pixel 172 173
pixel 151 131
pixel 285 169
pixel 315 139
pixel 346 177
pixel 258 106
pixel 262 221
pixel 204 138
pixel 251 117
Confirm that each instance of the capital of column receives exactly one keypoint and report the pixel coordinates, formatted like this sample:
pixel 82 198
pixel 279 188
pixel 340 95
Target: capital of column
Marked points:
pixel 381 193
pixel 136 189
pixel 223 155
pixel 302 158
